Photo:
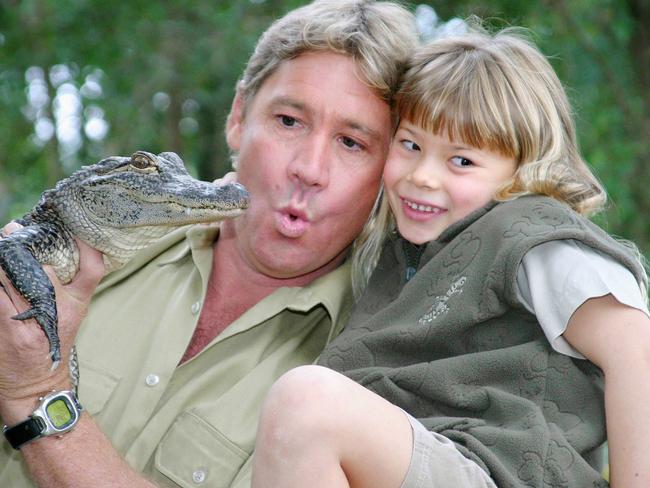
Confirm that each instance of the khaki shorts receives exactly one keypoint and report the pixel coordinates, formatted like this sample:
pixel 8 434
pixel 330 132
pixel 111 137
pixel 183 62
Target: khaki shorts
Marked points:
pixel 436 463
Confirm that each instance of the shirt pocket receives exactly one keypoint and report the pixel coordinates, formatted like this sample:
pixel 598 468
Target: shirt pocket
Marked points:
pixel 95 387
pixel 194 453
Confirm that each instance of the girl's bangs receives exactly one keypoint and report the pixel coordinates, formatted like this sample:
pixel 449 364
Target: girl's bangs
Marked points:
pixel 468 103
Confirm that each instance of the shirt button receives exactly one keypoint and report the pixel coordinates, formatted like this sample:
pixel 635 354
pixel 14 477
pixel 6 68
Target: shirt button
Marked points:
pixel 196 306
pixel 198 476
pixel 152 379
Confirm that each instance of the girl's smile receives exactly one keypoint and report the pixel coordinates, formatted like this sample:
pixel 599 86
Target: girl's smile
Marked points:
pixel 432 182
pixel 421 211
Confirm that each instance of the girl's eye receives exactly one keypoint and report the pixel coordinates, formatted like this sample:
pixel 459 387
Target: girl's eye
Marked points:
pixel 287 120
pixel 410 145
pixel 461 162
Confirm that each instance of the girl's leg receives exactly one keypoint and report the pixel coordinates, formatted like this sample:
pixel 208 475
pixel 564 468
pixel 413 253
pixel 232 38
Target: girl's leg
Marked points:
pixel 321 429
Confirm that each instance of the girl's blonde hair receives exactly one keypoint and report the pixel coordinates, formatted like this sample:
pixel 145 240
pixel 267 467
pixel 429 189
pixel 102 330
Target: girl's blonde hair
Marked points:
pixel 494 91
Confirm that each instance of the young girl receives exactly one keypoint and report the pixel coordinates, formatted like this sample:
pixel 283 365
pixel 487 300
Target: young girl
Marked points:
pixel 498 324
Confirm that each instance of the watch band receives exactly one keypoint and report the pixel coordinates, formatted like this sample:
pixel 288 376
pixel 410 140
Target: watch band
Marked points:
pixel 57 414
pixel 26 431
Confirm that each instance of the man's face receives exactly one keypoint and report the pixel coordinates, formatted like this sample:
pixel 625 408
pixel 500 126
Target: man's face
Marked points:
pixel 311 148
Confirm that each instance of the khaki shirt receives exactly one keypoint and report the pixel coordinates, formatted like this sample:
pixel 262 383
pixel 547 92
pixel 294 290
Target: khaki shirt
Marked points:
pixel 194 424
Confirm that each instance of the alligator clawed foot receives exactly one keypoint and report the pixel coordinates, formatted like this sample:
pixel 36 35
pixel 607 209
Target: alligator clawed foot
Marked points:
pixel 49 327
pixel 26 315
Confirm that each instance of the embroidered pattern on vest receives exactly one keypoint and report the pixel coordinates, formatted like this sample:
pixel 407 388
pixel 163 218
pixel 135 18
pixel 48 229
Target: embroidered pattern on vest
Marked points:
pixel 440 306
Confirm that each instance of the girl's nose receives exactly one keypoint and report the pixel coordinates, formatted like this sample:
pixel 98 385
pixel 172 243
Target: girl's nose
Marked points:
pixel 426 175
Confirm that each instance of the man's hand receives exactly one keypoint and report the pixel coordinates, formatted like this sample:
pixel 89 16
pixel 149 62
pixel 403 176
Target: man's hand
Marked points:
pixel 25 367
pixel 230 177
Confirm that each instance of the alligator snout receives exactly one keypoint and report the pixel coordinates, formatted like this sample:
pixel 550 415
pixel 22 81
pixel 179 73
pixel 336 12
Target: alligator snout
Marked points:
pixel 234 195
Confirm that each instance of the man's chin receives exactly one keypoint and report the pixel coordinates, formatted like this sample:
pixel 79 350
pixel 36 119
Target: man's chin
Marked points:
pixel 299 266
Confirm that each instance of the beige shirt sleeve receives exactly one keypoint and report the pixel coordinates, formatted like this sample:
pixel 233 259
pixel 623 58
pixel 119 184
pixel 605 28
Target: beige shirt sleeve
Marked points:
pixel 556 277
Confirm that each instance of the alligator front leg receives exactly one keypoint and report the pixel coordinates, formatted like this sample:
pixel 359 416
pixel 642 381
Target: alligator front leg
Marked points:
pixel 28 278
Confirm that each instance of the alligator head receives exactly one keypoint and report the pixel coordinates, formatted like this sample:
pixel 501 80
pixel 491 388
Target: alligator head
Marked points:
pixel 118 206
pixel 123 204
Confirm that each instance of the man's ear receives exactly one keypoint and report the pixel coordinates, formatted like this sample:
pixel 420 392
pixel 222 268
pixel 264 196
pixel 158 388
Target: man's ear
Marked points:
pixel 234 122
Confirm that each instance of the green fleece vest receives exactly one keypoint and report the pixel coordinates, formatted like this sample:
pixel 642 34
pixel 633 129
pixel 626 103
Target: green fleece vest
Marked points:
pixel 455 348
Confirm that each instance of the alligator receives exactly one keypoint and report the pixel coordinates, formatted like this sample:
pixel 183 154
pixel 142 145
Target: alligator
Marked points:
pixel 118 206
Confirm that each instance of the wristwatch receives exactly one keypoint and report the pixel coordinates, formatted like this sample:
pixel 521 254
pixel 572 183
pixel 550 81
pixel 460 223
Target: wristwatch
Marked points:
pixel 57 414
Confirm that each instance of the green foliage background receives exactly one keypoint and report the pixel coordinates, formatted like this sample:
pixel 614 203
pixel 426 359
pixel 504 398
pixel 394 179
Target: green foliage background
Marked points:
pixel 193 51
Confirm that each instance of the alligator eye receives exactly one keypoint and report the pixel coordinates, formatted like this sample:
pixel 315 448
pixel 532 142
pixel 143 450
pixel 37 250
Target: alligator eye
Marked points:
pixel 141 160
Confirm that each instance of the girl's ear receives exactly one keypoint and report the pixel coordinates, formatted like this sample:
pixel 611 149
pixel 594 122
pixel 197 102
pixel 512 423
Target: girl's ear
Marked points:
pixel 235 121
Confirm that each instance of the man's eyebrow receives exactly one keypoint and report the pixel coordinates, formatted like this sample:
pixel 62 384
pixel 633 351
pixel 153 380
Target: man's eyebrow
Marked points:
pixel 287 102
pixel 369 132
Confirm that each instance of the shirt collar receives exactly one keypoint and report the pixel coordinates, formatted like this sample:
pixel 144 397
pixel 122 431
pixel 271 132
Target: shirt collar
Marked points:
pixel 333 290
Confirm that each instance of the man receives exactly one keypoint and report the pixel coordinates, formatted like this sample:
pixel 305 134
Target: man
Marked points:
pixel 179 348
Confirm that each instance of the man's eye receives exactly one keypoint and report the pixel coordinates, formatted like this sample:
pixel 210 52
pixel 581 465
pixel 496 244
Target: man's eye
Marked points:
pixel 410 145
pixel 287 120
pixel 350 143
pixel 461 162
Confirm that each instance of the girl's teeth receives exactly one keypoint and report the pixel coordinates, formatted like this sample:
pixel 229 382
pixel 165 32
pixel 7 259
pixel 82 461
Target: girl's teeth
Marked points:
pixel 422 208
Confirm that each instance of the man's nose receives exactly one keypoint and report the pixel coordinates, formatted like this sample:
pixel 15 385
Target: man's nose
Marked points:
pixel 311 167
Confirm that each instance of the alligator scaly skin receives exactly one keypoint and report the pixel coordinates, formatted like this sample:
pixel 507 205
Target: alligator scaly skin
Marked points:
pixel 118 206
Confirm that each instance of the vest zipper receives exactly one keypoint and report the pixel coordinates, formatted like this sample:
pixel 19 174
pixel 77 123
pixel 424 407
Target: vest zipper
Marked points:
pixel 412 253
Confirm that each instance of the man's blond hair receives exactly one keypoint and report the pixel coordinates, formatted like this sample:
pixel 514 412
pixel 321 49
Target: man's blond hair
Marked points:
pixel 379 36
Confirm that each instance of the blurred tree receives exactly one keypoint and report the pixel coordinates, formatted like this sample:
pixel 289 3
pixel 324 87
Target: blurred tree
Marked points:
pixel 83 79
pixel 151 75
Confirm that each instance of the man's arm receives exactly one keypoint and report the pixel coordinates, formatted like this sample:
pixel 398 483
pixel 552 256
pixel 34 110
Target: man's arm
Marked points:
pixel 616 338
pixel 80 458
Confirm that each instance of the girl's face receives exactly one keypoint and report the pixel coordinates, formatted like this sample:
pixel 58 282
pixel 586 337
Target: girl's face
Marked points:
pixel 432 182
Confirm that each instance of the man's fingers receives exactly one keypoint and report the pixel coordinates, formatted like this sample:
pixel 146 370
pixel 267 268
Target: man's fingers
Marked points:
pixel 230 177
pixel 91 268
pixel 91 261
pixel 6 302
pixel 5 285
pixel 9 228
pixel 17 300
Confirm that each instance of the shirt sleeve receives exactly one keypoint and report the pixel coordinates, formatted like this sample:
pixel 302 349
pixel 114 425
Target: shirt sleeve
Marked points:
pixel 556 277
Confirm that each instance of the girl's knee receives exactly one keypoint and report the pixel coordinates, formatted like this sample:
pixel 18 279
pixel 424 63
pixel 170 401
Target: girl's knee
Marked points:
pixel 306 389
pixel 303 401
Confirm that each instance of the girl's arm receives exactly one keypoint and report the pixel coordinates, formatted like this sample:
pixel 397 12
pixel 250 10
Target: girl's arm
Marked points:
pixel 616 338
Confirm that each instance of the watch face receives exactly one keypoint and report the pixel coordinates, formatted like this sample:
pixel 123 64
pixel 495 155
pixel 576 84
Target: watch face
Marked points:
pixel 60 413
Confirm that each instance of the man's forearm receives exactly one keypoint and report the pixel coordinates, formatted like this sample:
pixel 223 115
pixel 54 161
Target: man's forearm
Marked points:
pixel 81 458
